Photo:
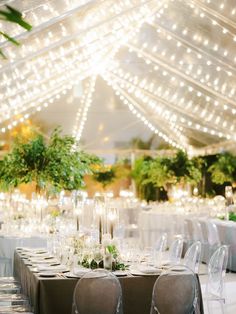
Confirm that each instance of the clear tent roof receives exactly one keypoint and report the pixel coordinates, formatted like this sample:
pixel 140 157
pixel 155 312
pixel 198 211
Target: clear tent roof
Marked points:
pixel 170 63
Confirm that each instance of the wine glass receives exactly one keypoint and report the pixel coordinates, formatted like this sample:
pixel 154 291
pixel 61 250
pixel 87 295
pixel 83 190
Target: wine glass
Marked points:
pixel 80 258
pixel 98 257
pixel 89 256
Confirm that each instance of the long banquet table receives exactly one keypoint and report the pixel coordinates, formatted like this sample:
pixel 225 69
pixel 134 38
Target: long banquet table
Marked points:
pixel 54 295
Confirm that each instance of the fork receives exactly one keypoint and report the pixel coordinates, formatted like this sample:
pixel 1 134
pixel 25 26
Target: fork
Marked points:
pixel 61 275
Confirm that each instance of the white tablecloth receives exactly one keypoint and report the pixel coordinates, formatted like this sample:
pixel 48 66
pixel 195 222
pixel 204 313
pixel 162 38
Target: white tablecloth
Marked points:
pixel 8 245
pixel 227 235
pixel 153 224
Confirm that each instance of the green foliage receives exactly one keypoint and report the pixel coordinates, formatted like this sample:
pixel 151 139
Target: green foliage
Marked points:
pixel 224 169
pixel 105 176
pixel 158 172
pixel 112 249
pixel 163 171
pixel 185 169
pixel 138 143
pixel 232 216
pixel 14 16
pixel 55 164
pixel 145 189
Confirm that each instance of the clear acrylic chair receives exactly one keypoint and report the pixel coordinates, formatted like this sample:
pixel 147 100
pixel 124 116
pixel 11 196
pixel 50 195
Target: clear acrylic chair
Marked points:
pixel 188 233
pixel 216 273
pixel 204 240
pixel 13 299
pixel 8 280
pixel 213 239
pixel 175 292
pixel 9 287
pixel 192 257
pixel 98 292
pixel 15 309
pixel 175 251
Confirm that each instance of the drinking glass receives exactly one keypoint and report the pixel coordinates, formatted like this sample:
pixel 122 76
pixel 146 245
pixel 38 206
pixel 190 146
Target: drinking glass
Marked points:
pixel 98 256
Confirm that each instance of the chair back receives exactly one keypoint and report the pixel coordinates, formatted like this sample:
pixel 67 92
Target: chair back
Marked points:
pixel 175 251
pixel 197 231
pixel 213 234
pixel 159 248
pixel 175 292
pixel 97 292
pixel 192 257
pixel 216 271
pixel 161 243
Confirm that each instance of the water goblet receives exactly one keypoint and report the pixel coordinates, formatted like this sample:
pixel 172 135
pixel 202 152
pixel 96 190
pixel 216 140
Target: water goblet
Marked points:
pixel 98 256
pixel 90 256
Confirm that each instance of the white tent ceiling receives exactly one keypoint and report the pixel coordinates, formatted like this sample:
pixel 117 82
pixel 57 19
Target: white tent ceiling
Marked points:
pixel 171 63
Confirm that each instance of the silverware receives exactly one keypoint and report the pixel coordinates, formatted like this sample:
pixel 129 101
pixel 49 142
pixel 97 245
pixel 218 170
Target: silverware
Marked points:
pixel 61 275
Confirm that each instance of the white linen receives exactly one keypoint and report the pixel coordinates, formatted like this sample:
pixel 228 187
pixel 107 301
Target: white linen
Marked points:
pixel 8 244
pixel 153 224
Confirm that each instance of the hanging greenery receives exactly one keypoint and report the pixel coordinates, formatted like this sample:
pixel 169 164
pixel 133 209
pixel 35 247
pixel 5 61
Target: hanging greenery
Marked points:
pixel 51 165
pixel 14 16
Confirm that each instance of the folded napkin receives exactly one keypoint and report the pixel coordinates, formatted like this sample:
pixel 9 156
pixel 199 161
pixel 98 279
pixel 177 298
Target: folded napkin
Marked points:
pixel 80 271
pixel 57 268
pixel 147 269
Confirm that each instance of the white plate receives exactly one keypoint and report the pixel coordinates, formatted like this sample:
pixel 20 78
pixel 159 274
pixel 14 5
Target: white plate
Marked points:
pixel 71 275
pixel 34 269
pixel 138 272
pixel 40 261
pixel 120 273
pixel 47 274
pixel 148 269
pixel 81 271
pixel 58 268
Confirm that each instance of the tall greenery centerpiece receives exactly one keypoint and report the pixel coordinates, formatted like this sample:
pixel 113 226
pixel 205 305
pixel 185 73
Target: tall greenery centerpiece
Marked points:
pixel 162 172
pixel 144 187
pixel 105 175
pixel 56 164
pixel 223 170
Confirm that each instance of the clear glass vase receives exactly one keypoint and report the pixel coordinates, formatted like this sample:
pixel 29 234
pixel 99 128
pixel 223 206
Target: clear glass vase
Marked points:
pixel 107 261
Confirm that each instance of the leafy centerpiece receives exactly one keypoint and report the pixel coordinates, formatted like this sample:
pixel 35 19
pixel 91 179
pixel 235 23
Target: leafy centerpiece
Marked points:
pixel 92 255
pixel 164 172
pixel 54 165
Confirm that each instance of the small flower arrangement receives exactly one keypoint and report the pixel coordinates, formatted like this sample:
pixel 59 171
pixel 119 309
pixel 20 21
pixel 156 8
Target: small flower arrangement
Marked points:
pixel 93 255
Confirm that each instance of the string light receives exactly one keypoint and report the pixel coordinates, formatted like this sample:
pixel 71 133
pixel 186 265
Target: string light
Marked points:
pixel 175 72
pixel 82 112
pixel 161 107
pixel 132 105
